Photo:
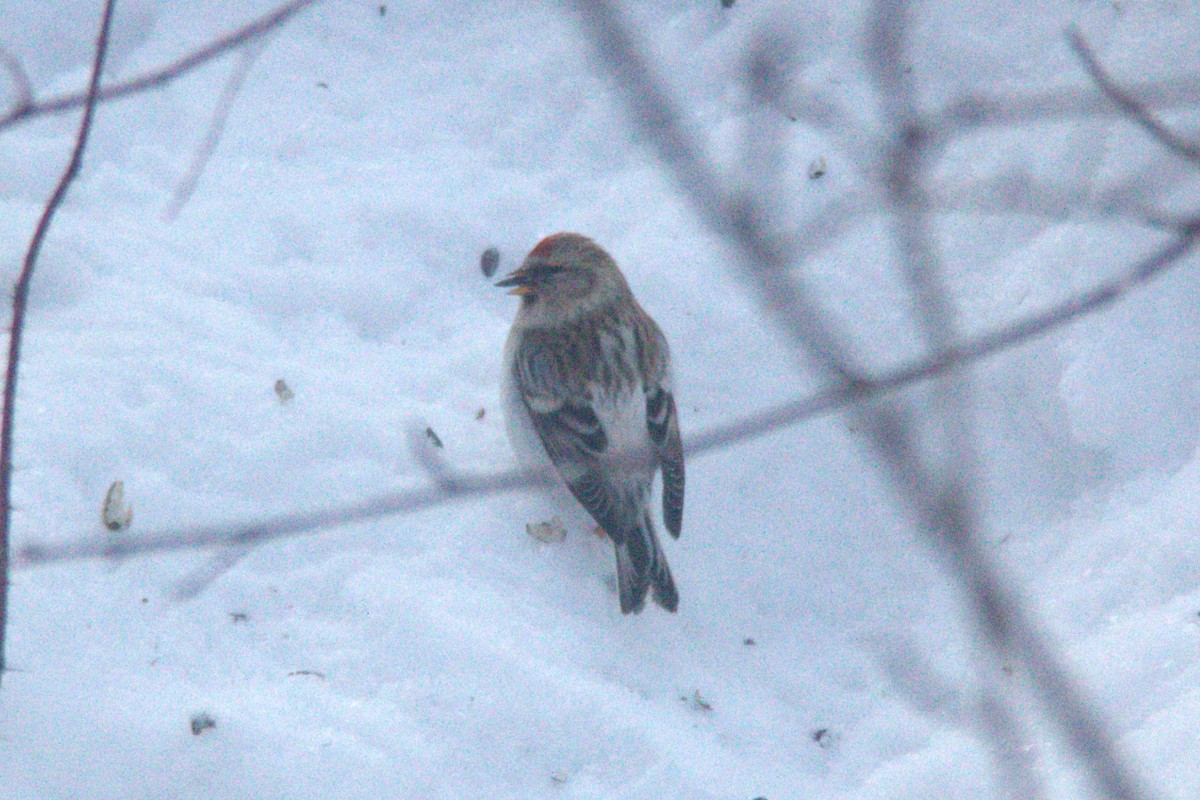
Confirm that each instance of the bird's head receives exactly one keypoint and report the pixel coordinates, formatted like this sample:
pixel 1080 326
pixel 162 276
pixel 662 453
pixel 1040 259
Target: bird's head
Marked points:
pixel 564 277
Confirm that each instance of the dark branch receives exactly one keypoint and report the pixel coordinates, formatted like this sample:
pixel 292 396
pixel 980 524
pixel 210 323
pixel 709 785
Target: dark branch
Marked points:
pixel 20 300
pixel 1128 104
pixel 992 110
pixel 968 352
pixel 167 73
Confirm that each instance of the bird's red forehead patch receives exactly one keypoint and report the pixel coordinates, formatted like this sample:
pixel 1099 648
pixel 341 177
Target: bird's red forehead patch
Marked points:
pixel 542 248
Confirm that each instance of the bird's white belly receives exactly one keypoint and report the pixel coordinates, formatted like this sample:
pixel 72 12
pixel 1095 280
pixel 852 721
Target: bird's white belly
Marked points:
pixel 526 444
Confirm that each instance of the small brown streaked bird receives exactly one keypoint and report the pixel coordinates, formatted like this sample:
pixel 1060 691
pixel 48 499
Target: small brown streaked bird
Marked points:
pixel 587 385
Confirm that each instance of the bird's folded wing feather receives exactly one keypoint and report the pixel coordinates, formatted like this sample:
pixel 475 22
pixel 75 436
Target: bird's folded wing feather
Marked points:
pixel 574 439
pixel 662 419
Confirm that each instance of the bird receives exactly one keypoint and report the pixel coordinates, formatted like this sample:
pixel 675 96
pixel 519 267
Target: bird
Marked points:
pixel 587 387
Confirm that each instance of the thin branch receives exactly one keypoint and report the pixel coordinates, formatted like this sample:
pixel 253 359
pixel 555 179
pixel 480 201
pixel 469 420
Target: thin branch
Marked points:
pixel 968 352
pixel 744 429
pixel 903 194
pixel 216 127
pixel 167 73
pixel 1129 105
pixel 410 501
pixel 1016 192
pixel 20 82
pixel 983 110
pixel 20 300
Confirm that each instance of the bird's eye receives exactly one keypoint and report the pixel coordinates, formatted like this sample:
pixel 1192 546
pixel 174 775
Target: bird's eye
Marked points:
pixel 544 271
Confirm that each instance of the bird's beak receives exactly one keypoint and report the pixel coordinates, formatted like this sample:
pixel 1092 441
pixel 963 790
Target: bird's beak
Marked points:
pixel 519 281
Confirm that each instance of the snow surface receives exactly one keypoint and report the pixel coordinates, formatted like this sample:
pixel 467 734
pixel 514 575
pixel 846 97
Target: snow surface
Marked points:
pixel 334 240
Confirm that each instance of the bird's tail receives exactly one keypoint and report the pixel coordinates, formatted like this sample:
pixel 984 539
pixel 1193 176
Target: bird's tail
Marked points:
pixel 642 566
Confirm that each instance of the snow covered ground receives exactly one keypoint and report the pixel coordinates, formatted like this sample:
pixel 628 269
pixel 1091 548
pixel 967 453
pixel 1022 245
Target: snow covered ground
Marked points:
pixel 333 241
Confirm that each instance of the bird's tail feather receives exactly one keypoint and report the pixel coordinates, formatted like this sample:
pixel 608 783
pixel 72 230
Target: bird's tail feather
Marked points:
pixel 642 566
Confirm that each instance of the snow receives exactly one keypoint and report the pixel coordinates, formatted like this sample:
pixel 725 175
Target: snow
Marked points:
pixel 334 241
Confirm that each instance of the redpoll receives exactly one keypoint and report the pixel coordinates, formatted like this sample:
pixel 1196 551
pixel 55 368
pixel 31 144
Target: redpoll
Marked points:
pixel 587 384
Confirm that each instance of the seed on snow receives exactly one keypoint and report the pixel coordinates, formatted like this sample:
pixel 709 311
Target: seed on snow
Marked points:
pixel 116 515
pixel 550 531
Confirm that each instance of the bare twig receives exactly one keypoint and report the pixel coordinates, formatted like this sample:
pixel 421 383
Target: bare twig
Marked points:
pixel 979 110
pixel 1129 105
pixel 968 352
pixel 1015 192
pixel 165 74
pixel 20 300
pixel 463 487
pixel 216 126
pixel 903 194
pixel 20 82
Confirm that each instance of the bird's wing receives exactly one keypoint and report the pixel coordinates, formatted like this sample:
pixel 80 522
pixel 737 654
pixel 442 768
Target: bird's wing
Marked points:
pixel 575 439
pixel 662 420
